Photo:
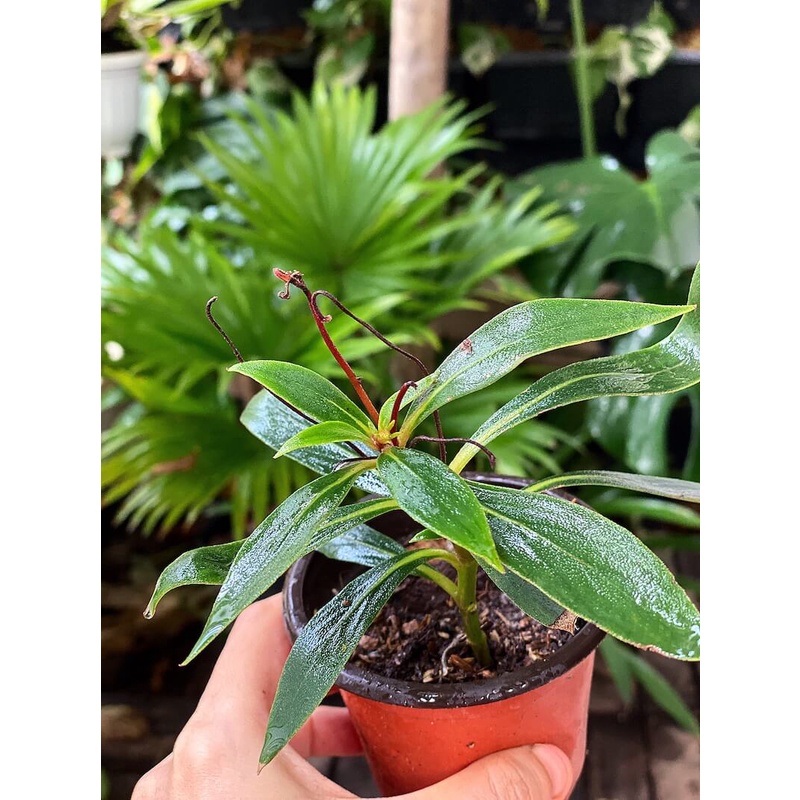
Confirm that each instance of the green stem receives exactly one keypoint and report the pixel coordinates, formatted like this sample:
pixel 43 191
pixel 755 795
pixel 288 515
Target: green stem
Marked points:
pixel 467 602
pixel 442 581
pixel 581 56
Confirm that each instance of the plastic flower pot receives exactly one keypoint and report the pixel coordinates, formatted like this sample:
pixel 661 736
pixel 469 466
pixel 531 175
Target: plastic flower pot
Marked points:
pixel 119 101
pixel 416 734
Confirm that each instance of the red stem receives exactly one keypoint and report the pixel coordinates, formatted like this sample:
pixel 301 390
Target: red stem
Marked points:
pixel 296 279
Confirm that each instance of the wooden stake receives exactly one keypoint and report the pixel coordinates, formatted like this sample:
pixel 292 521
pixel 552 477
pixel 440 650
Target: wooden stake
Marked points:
pixel 418 54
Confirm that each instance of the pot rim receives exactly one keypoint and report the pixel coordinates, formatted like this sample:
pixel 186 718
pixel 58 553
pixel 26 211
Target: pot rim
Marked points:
pixel 124 59
pixel 415 694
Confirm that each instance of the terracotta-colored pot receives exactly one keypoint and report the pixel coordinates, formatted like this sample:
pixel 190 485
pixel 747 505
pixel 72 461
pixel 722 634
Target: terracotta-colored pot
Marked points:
pixel 416 734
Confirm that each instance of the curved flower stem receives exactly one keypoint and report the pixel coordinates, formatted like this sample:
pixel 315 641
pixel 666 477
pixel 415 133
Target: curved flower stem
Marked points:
pixel 239 358
pixel 296 279
pixel 410 356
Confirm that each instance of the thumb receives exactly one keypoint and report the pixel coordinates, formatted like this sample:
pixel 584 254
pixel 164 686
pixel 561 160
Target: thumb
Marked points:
pixel 540 772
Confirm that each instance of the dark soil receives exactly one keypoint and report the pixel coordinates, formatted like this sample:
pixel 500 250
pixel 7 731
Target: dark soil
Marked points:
pixel 418 636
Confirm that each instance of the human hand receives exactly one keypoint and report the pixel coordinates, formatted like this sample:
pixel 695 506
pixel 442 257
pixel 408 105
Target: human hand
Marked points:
pixel 215 756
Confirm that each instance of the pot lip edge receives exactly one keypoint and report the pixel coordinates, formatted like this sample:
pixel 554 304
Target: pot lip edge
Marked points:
pixel 404 693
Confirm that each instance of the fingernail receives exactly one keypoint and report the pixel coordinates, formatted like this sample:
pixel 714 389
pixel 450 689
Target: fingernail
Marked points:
pixel 558 768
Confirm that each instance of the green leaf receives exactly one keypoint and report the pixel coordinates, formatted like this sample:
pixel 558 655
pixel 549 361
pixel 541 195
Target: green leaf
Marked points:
pixel 636 429
pixel 204 565
pixel 626 665
pixel 210 565
pixel 528 597
pixel 349 206
pixel 273 423
pixel 648 508
pixel 619 216
pixel 664 487
pixel 326 643
pixel 362 545
pixel 322 433
pixel 283 537
pixel 667 366
pixel 433 495
pixel 346 519
pixel 615 655
pixel 593 567
pixel 523 331
pixel 307 391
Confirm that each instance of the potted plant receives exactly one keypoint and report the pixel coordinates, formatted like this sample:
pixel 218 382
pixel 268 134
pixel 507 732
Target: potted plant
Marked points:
pixel 128 30
pixel 485 542
pixel 121 60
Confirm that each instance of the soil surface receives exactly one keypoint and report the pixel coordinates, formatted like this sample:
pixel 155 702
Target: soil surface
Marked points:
pixel 418 636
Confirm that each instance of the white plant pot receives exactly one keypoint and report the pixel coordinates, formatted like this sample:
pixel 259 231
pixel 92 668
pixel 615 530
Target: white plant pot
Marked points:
pixel 119 101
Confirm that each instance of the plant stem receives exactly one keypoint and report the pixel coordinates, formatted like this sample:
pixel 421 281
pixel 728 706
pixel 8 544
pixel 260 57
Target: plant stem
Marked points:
pixel 581 56
pixel 468 605
pixel 442 581
pixel 296 279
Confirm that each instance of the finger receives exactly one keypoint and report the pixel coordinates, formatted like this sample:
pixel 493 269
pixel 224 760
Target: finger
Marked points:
pixel 328 732
pixel 154 784
pixel 541 772
pixel 247 671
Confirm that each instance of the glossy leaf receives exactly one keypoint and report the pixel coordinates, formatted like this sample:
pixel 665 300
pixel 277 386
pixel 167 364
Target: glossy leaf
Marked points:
pixel 524 594
pixel 307 391
pixel 593 567
pixel 663 487
pixel 619 217
pixel 210 565
pixel 326 643
pixel 636 430
pixel 202 566
pixel 283 537
pixel 648 508
pixel 362 545
pixel 273 423
pixel 349 518
pixel 441 501
pixel 523 331
pixel 667 366
pixel 321 433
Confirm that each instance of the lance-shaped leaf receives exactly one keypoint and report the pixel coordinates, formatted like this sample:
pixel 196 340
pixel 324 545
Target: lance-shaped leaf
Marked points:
pixel 528 597
pixel 616 657
pixel 593 567
pixel 322 433
pixel 667 366
pixel 273 547
pixel 326 643
pixel 441 501
pixel 347 518
pixel 674 488
pixel 273 423
pixel 203 566
pixel 307 391
pixel 647 508
pixel 210 565
pixel 523 331
pixel 627 666
pixel 362 545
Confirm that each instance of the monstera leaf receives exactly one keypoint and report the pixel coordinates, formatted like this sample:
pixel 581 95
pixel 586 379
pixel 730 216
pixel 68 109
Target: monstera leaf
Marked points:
pixel 620 218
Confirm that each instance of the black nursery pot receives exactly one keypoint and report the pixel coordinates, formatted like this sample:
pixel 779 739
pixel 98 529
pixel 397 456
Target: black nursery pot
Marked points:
pixel 416 734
